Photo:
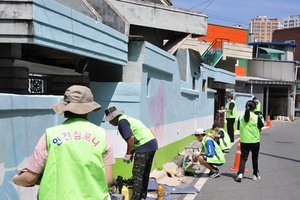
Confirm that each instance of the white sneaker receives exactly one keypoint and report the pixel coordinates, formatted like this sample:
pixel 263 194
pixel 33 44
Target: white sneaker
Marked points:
pixel 255 178
pixel 239 178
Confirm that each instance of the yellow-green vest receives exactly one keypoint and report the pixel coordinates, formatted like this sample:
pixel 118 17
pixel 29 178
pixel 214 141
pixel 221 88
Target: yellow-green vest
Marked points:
pixel 225 142
pixel 257 106
pixel 233 113
pixel 74 167
pixel 141 132
pixel 249 132
pixel 219 157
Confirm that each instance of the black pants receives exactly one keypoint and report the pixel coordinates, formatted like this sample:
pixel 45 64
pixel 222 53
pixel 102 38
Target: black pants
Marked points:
pixel 141 172
pixel 245 149
pixel 230 129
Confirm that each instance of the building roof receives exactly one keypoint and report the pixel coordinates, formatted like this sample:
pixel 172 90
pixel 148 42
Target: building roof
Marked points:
pixel 262 81
pixel 269 50
pixel 274 43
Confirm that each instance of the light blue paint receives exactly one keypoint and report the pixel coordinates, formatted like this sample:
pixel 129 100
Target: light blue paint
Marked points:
pixel 59 27
pixel 161 97
pixel 23 119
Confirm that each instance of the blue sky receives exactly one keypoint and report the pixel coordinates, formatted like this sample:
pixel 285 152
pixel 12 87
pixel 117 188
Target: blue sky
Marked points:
pixel 240 12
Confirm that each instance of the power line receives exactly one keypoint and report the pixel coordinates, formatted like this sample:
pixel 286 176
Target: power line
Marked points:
pixel 208 5
pixel 229 19
pixel 218 17
pixel 199 4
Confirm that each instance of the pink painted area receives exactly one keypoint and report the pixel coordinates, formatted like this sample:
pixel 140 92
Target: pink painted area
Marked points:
pixel 157 104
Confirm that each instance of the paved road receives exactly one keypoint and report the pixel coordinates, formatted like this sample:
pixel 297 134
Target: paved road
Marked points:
pixel 279 165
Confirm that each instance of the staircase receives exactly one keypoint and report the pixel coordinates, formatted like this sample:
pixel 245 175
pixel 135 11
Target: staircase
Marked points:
pixel 214 52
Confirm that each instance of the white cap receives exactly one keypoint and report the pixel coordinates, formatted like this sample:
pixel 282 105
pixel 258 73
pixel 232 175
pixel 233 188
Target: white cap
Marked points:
pixel 199 131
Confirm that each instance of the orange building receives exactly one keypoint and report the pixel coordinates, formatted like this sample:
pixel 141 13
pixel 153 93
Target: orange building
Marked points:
pixel 232 35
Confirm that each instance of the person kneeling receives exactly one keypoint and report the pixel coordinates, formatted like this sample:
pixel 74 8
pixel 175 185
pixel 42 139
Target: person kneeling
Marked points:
pixel 211 154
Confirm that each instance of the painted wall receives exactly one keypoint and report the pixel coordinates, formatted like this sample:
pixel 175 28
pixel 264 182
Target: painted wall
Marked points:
pixel 49 24
pixel 55 24
pixel 162 100
pixel 235 35
pixel 23 119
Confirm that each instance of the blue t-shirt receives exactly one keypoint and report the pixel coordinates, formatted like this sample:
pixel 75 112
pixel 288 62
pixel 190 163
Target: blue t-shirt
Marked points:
pixel 221 133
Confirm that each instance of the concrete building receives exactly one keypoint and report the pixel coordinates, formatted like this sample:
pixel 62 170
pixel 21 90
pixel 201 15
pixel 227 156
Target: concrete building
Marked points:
pixel 271 77
pixel 291 21
pixel 266 70
pixel 261 28
pixel 289 35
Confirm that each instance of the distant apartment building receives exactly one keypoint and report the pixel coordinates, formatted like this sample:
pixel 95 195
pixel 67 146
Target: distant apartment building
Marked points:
pixel 291 21
pixel 261 28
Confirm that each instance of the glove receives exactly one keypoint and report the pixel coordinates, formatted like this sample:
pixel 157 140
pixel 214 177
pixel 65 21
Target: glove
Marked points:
pixel 127 159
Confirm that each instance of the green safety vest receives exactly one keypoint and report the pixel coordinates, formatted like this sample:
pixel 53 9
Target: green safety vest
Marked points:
pixel 225 142
pixel 74 167
pixel 141 132
pixel 257 106
pixel 249 132
pixel 233 113
pixel 219 157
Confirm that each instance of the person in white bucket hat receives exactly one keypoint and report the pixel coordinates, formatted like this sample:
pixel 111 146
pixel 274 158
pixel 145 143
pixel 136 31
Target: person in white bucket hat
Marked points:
pixel 72 160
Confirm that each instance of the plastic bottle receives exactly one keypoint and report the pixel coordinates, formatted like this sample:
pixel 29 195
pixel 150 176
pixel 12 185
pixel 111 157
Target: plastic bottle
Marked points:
pixel 125 192
pixel 160 192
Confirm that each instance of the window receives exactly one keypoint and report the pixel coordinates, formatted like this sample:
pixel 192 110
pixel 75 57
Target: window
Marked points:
pixel 290 41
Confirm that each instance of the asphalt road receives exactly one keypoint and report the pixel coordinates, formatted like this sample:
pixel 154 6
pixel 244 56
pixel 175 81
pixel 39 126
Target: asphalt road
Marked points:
pixel 279 166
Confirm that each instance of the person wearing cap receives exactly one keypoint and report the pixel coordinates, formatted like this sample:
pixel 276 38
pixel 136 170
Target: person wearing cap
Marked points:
pixel 250 126
pixel 211 154
pixel 221 137
pixel 231 114
pixel 72 160
pixel 141 146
